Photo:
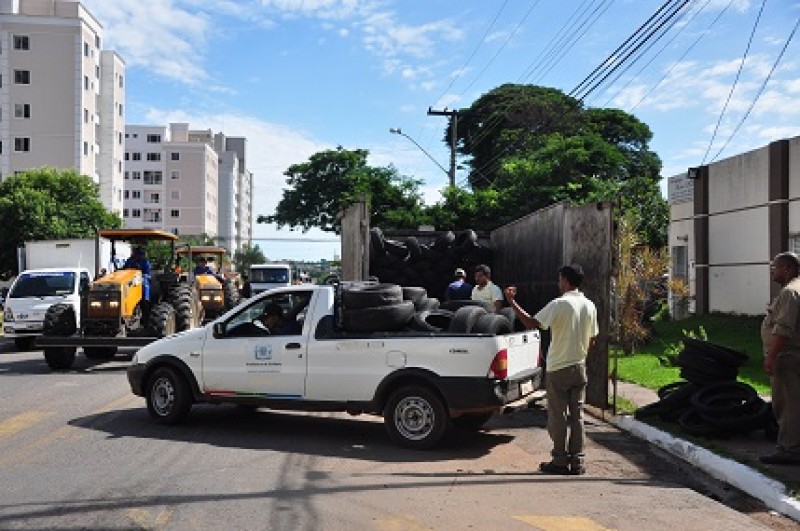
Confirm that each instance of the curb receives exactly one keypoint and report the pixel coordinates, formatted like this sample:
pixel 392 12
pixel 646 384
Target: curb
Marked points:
pixel 772 493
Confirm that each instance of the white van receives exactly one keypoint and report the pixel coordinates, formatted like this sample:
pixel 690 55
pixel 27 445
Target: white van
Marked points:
pixel 265 277
pixel 33 292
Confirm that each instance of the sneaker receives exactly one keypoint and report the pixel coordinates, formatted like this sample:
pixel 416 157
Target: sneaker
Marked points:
pixel 780 459
pixel 552 468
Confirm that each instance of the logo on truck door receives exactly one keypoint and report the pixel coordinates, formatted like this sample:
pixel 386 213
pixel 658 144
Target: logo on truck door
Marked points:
pixel 263 352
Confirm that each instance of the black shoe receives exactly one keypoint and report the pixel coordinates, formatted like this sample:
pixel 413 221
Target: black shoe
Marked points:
pixel 780 459
pixel 577 470
pixel 551 468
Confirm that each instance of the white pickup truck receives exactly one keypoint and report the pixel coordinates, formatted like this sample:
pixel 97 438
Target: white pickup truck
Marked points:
pixel 421 382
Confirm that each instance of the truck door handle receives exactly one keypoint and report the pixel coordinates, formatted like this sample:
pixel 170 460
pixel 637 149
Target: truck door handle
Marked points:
pixel 292 346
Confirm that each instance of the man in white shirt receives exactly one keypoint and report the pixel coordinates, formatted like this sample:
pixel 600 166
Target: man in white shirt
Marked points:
pixel 572 319
pixel 485 290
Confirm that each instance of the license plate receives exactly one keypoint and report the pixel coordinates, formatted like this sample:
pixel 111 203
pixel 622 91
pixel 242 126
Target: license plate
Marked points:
pixel 22 316
pixel 526 387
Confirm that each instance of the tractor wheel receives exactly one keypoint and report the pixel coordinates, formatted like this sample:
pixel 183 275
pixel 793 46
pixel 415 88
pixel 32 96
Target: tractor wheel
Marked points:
pixel 59 320
pixel 162 320
pixel 184 300
pixel 59 358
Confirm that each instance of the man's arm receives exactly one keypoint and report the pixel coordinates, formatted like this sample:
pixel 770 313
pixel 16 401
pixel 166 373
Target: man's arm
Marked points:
pixel 529 321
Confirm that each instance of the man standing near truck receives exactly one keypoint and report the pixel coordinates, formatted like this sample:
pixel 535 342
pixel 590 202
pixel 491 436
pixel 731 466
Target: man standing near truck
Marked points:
pixel 572 319
pixel 485 290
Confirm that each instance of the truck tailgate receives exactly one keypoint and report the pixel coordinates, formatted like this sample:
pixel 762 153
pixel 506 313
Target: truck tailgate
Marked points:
pixel 523 351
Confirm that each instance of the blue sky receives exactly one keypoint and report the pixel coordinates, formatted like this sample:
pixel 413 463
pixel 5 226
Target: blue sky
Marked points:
pixel 300 76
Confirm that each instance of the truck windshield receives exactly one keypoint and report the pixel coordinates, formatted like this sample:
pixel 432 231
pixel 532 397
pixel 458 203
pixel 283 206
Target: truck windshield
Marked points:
pixel 43 284
pixel 269 274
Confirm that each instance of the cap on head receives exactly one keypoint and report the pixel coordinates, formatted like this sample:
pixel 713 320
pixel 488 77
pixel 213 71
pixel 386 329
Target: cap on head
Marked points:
pixel 460 273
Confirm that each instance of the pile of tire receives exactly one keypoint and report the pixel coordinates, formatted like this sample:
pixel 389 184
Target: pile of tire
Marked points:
pixel 367 307
pixel 410 263
pixel 710 402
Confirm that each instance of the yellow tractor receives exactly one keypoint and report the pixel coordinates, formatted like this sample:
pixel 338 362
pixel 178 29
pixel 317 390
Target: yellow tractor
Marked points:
pixel 217 294
pixel 117 310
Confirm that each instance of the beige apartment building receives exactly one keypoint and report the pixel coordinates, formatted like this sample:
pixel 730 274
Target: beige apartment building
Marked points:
pixel 61 95
pixel 188 182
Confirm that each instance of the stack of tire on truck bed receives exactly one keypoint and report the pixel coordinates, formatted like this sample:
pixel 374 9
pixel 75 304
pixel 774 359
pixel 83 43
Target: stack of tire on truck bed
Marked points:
pixel 710 402
pixel 410 263
pixel 368 307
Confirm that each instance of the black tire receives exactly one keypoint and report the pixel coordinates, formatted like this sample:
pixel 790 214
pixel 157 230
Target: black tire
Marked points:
pixel 466 238
pixel 59 358
pixel 59 320
pixel 724 399
pixel 702 377
pixel 162 320
pixel 416 417
pixel 691 359
pixel 444 241
pixel 471 421
pixel 431 320
pixel 455 305
pixel 414 293
pixel 358 296
pixel 670 388
pixel 396 249
pixel 465 318
pixel 692 423
pixel 168 396
pixel 378 318
pixel 99 353
pixel 719 352
pixel 376 241
pixel 755 417
pixel 511 315
pixel 230 294
pixel 426 304
pixel 23 343
pixel 184 300
pixel 492 323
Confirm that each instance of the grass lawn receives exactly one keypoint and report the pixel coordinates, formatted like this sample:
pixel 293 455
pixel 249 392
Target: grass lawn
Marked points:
pixel 649 366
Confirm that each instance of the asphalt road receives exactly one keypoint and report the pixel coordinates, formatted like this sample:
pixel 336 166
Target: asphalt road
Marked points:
pixel 78 451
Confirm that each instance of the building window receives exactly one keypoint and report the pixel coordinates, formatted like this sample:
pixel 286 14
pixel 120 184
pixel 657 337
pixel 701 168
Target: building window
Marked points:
pixel 86 148
pixel 97 72
pixel 175 175
pixel 22 110
pixel 127 194
pixel 121 82
pixel 136 156
pixel 124 212
pixel 22 144
pixel 154 139
pixel 175 195
pixel 86 116
pixel 153 156
pixel 21 42
pixel 97 40
pixel 120 113
pixel 22 77
pixel 86 82
pixel 86 49
pixel 120 138
pixel 175 213
pixel 137 176
pixel 175 155
pixel 127 175
pixel 136 194
pixel 152 198
pixel 127 135
pixel 127 156
pixel 136 213
pixel 153 177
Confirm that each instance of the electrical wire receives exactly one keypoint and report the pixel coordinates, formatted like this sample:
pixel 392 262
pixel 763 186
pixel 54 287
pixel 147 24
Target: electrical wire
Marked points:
pixel 760 91
pixel 735 81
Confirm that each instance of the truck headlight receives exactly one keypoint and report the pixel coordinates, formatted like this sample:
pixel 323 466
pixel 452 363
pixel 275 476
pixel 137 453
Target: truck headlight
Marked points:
pixel 113 304
pixel 96 304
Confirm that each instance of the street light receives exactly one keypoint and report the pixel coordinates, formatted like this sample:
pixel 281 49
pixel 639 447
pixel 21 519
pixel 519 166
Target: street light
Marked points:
pixel 398 131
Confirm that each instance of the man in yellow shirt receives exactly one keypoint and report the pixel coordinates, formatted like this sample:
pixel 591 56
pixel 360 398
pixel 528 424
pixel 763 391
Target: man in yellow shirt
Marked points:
pixel 572 319
pixel 485 290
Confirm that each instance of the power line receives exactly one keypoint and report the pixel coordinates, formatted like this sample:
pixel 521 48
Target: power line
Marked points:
pixel 735 81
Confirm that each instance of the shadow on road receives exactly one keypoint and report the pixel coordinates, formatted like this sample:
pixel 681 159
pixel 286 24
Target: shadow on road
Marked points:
pixel 328 434
pixel 32 362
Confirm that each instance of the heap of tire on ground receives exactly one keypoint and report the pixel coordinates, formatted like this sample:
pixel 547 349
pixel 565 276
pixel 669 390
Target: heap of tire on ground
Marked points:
pixel 408 262
pixel 367 307
pixel 710 402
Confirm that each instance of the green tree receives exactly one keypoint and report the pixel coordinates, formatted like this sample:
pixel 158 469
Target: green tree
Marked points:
pixel 44 204
pixel 247 256
pixel 330 181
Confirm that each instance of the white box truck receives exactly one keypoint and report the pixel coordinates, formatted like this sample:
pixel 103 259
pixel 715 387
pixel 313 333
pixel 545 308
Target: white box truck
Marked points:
pixel 72 253
pixel 264 277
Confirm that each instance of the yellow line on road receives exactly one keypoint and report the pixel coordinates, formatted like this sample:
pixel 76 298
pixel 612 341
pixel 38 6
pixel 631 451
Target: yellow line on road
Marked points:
pixel 20 422
pixel 398 522
pixel 562 523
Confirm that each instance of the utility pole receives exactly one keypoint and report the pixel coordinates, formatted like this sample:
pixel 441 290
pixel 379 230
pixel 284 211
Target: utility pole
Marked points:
pixel 453 138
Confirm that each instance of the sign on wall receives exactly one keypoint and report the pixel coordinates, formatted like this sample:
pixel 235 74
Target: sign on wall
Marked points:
pixel 680 189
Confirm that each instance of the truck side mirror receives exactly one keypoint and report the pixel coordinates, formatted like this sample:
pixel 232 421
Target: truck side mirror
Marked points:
pixel 219 330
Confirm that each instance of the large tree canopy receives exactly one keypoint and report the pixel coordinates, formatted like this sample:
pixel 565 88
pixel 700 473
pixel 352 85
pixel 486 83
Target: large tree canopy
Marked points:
pixel 332 180
pixel 536 146
pixel 46 204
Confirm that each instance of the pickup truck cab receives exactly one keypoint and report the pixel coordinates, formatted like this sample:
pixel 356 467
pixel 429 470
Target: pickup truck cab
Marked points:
pixel 421 382
pixel 33 292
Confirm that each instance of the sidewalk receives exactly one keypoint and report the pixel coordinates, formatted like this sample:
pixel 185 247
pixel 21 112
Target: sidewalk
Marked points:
pixel 736 462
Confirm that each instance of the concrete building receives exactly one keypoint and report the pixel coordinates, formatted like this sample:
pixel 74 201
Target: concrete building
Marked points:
pixel 62 97
pixel 727 221
pixel 188 182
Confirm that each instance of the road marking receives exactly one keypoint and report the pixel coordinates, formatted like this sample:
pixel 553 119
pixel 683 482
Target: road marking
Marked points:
pixel 20 422
pixel 398 522
pixel 562 523
pixel 143 518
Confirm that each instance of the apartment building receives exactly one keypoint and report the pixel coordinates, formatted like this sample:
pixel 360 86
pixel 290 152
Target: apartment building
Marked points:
pixel 61 95
pixel 187 182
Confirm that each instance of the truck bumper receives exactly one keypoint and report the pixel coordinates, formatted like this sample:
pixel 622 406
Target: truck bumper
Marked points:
pixel 136 378
pixel 472 395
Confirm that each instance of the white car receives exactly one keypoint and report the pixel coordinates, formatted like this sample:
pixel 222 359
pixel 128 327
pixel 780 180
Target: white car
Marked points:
pixel 421 382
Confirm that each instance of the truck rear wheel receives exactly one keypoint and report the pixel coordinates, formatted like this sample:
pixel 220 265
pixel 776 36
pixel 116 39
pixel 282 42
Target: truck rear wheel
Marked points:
pixel 59 358
pixel 416 417
pixel 168 396
pixel 99 353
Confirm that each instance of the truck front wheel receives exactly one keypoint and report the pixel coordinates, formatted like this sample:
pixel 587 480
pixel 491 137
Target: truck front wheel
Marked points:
pixel 416 417
pixel 168 396
pixel 59 358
